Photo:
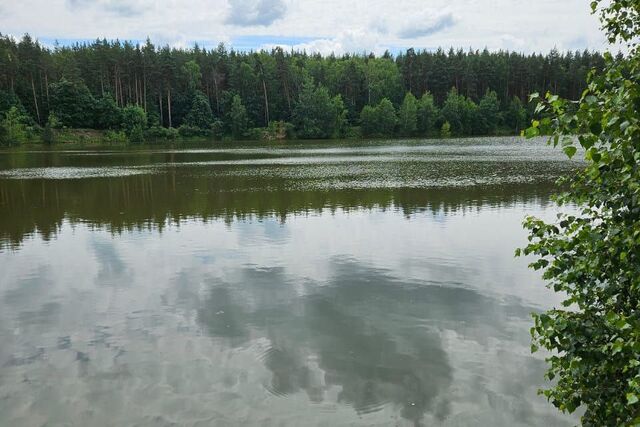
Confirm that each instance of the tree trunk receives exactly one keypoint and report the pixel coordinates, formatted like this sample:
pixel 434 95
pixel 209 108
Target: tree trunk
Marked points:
pixel 121 91
pixel 161 112
pixel 35 99
pixel 46 85
pixel 41 80
pixel 144 90
pixel 266 103
pixel 137 97
pixel 169 105
pixel 215 84
pixel 287 93
pixel 115 84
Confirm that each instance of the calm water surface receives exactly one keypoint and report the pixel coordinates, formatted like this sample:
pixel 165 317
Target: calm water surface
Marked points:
pixel 292 285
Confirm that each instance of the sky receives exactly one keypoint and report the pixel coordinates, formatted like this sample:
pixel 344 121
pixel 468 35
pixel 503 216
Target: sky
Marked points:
pixel 324 26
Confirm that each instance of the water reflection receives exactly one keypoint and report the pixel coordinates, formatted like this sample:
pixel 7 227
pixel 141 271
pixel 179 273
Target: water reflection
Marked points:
pixel 237 295
pixel 169 186
pixel 349 324
pixel 374 335
pixel 336 336
pixel 153 201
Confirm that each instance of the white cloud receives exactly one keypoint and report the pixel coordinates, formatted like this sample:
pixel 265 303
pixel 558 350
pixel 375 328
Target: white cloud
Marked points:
pixel 118 7
pixel 331 25
pixel 426 24
pixel 255 12
pixel 351 41
pixel 509 41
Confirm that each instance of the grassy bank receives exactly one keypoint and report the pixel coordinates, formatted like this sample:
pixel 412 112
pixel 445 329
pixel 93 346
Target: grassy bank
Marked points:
pixel 93 138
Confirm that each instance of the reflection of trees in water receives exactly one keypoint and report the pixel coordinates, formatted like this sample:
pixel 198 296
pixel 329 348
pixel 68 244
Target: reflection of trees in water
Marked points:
pixel 151 201
pixel 355 331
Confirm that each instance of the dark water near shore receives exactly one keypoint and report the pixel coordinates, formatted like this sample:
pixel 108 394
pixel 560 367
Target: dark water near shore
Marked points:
pixel 301 284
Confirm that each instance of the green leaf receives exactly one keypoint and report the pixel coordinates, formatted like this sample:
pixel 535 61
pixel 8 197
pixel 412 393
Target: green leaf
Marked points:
pixel 591 258
pixel 593 155
pixel 531 132
pixel 570 151
pixel 612 317
pixel 617 346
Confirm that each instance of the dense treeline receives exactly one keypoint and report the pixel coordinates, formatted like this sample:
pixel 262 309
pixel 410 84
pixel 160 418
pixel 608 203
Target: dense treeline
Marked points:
pixel 143 91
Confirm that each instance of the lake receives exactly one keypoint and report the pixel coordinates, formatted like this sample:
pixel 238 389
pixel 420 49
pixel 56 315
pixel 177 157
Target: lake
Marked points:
pixel 296 284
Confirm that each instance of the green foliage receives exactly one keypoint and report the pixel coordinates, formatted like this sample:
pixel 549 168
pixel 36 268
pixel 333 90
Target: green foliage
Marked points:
pixel 368 120
pixel 72 104
pixel 48 133
pixel 515 117
pixel 317 115
pixel 155 132
pixel 387 119
pixel 445 131
pixel 136 135
pixel 427 115
pixel 106 113
pixel 489 113
pixel 452 111
pixel 14 129
pixel 53 121
pixel 380 120
pixel 188 131
pixel 461 113
pixel 592 256
pixel 192 75
pixel 200 115
pixel 255 134
pixel 116 137
pixel 340 117
pixel 408 115
pixel 159 133
pixel 9 99
pixel 352 132
pixel 217 129
pixel 384 80
pixel 166 81
pixel 3 136
pixel 134 121
pixel 238 118
pixel 279 131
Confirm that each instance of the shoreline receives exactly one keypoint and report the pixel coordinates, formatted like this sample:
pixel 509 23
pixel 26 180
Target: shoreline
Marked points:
pixel 240 143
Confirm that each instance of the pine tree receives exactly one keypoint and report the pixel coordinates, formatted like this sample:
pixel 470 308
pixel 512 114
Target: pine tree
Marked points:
pixel 200 115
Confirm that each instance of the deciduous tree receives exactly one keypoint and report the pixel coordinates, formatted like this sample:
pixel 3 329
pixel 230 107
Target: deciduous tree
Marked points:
pixel 591 255
pixel 408 115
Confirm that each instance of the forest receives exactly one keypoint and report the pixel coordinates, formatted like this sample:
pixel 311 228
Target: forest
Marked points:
pixel 134 93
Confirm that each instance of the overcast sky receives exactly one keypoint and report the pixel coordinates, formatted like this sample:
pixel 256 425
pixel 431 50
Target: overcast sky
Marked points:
pixel 315 25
